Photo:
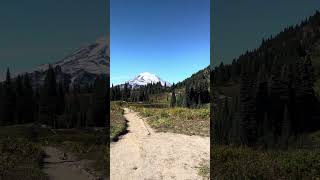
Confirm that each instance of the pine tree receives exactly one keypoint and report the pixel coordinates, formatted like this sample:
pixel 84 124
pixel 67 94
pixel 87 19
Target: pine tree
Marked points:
pixel 286 128
pixel 60 99
pixel 173 99
pixel 48 101
pixel 100 102
pixel 8 100
pixel 217 123
pixel 19 119
pixel 112 93
pixel 248 122
pixel 29 100
pixel 1 104
pixel 225 122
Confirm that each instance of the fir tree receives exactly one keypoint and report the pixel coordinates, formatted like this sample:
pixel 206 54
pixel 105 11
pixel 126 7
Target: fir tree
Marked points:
pixel 173 99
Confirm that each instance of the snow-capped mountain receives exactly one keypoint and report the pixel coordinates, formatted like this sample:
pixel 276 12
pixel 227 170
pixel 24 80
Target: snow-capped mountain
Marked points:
pixel 83 65
pixel 93 58
pixel 146 78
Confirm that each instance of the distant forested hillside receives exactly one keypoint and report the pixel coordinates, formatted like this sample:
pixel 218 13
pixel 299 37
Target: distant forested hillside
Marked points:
pixel 56 102
pixel 192 92
pixel 269 96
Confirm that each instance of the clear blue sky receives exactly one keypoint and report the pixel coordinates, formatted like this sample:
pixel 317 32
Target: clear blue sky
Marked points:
pixel 34 32
pixel 241 25
pixel 170 38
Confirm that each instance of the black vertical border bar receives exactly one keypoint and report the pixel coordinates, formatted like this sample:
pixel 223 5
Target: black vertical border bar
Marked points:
pixel 211 89
pixel 107 153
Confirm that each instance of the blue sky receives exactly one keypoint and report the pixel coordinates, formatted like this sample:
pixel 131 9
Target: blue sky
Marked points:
pixel 170 38
pixel 41 31
pixel 241 25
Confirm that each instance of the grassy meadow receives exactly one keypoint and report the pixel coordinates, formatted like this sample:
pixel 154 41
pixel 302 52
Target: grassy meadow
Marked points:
pixel 22 154
pixel 118 124
pixel 177 120
pixel 300 161
pixel 20 159
pixel 230 162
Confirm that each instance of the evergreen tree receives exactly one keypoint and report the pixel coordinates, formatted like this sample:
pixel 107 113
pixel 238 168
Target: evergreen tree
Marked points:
pixel 48 101
pixel 173 99
pixel 60 99
pixel 19 109
pixel 29 101
pixel 286 128
pixel 8 101
pixel 100 102
pixel 2 122
pixel 247 111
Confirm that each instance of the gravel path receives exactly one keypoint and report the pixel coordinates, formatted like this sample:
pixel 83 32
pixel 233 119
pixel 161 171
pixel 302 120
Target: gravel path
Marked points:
pixel 59 168
pixel 143 154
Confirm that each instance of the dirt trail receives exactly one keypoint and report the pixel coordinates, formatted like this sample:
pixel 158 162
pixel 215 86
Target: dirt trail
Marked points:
pixel 68 169
pixel 143 154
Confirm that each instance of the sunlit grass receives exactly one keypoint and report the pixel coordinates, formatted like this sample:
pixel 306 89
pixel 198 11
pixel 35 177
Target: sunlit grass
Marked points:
pixel 117 121
pixel 177 120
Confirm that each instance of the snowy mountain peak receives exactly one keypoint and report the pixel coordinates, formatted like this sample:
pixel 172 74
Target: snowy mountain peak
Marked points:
pixel 92 58
pixel 147 78
pixel 82 66
pixel 85 63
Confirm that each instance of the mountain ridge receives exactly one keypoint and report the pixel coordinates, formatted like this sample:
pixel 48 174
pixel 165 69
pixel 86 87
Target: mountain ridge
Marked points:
pixel 145 78
pixel 82 66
